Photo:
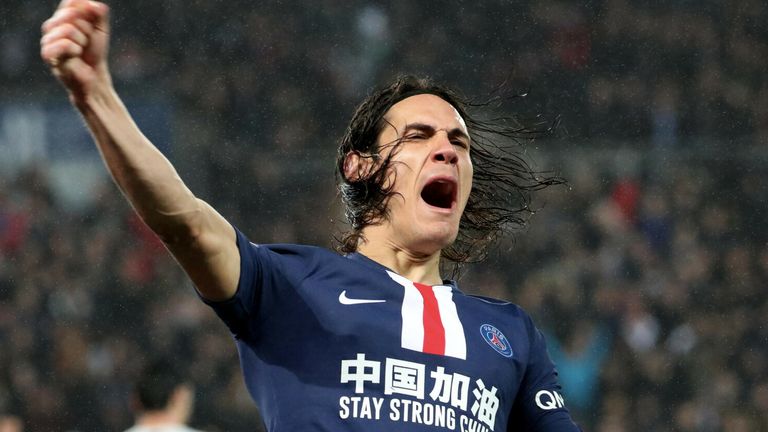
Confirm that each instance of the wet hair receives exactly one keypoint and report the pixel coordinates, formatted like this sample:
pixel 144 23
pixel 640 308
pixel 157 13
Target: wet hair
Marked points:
pixel 502 182
pixel 157 383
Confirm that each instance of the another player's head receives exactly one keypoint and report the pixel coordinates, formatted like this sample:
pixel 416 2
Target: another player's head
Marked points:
pixel 10 423
pixel 387 128
pixel 163 390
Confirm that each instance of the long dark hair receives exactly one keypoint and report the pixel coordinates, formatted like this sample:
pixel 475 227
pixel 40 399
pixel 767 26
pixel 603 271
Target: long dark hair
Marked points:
pixel 502 182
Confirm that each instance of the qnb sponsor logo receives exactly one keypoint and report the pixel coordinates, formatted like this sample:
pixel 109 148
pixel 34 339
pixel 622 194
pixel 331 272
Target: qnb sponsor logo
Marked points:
pixel 549 400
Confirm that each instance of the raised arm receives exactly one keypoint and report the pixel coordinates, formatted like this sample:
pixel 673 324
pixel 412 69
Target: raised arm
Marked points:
pixel 74 44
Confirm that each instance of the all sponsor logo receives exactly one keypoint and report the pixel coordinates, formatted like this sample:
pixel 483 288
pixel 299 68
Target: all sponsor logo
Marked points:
pixel 496 340
pixel 415 393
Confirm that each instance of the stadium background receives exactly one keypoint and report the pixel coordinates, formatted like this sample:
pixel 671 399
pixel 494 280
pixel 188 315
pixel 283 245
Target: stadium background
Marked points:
pixel 648 272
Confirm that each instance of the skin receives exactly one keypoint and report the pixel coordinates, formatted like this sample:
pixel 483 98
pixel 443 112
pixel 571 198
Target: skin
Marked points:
pixel 178 411
pixel 75 44
pixel 436 145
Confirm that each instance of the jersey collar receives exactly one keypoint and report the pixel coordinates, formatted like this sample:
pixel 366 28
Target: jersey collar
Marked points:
pixel 358 257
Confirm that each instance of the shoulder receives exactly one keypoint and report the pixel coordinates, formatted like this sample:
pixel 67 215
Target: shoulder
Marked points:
pixel 502 306
pixel 293 251
pixel 297 261
pixel 284 248
pixel 247 246
pixel 307 253
pixel 163 428
pixel 512 315
pixel 282 254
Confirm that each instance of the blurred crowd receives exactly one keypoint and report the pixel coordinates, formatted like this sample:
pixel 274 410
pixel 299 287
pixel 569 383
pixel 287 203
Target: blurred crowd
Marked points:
pixel 650 287
pixel 86 300
pixel 648 284
pixel 285 71
pixel 647 281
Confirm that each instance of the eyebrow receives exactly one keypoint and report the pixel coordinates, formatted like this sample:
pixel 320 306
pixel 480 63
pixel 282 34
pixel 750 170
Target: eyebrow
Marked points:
pixel 423 127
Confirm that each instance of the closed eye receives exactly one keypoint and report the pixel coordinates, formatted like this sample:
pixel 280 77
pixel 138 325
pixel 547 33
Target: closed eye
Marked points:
pixel 460 143
pixel 416 136
pixel 419 131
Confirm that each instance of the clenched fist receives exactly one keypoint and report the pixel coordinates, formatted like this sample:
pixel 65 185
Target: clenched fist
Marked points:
pixel 75 45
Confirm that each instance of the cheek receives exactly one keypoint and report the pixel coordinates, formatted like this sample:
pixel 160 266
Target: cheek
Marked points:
pixel 466 191
pixel 466 181
pixel 401 172
pixel 396 177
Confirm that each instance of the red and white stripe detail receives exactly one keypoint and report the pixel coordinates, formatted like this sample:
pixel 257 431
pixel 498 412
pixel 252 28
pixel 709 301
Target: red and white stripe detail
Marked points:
pixel 431 323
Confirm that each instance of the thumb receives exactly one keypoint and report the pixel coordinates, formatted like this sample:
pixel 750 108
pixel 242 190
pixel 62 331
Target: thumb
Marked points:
pixel 101 11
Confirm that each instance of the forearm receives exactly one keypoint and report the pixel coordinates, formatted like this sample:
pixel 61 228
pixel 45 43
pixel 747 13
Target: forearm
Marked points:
pixel 141 171
pixel 75 44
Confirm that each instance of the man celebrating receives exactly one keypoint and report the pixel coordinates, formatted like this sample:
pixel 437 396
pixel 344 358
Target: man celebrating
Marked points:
pixel 373 340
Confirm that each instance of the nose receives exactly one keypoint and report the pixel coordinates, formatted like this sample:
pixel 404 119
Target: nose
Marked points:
pixel 444 151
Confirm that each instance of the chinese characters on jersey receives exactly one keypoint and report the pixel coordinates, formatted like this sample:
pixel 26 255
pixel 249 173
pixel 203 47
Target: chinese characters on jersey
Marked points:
pixel 435 397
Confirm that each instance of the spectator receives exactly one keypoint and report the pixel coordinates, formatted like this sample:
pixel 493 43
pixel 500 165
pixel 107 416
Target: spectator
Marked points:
pixel 163 399
pixel 10 424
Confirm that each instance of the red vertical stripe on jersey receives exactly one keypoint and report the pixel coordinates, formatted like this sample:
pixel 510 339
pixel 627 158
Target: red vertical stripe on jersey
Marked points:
pixel 434 332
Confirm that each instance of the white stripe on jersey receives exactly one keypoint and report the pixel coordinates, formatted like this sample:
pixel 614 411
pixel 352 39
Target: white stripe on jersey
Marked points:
pixel 455 342
pixel 412 311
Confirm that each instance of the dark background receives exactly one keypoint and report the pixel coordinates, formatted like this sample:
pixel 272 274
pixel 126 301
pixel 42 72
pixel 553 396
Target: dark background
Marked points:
pixel 647 271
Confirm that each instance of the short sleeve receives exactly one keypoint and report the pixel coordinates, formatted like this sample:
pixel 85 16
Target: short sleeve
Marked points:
pixel 238 311
pixel 270 277
pixel 540 404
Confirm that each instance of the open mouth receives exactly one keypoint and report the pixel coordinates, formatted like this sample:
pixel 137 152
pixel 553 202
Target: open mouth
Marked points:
pixel 440 193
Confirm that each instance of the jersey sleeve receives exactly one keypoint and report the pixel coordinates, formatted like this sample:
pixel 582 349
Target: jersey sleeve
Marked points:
pixel 540 405
pixel 264 271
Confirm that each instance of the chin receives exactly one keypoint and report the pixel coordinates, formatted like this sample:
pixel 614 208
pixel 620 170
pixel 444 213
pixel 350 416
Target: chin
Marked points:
pixel 435 240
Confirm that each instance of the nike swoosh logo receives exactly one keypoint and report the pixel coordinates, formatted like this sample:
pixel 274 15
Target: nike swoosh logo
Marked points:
pixel 343 299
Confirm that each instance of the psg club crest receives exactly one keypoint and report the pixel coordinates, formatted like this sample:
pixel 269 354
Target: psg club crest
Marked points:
pixel 496 340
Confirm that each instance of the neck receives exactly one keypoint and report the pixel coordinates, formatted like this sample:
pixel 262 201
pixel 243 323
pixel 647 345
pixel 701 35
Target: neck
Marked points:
pixel 415 266
pixel 154 418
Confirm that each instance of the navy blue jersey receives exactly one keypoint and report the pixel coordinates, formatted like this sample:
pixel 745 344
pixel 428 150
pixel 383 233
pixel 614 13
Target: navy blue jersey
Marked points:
pixel 331 343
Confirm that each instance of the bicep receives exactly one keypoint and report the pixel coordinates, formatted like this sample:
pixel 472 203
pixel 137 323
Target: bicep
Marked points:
pixel 210 256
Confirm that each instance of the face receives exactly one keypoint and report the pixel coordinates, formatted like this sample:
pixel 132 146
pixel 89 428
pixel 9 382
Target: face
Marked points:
pixel 432 172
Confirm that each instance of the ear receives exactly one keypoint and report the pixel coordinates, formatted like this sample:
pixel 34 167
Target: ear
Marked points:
pixel 356 166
